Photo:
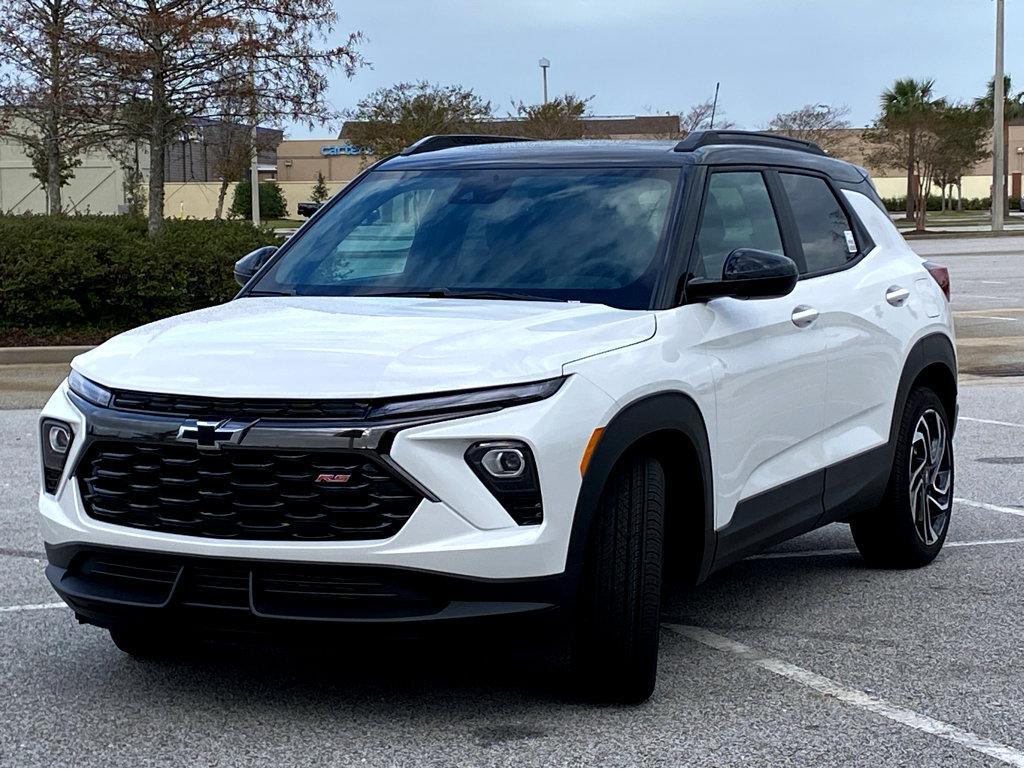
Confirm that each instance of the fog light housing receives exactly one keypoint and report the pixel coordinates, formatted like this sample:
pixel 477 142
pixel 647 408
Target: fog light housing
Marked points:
pixel 509 472
pixel 57 438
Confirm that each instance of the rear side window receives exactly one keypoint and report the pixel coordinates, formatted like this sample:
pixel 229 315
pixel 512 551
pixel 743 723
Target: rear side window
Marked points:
pixel 738 213
pixel 825 231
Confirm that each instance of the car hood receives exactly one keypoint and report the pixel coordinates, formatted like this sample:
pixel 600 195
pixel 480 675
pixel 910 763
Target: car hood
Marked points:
pixel 358 347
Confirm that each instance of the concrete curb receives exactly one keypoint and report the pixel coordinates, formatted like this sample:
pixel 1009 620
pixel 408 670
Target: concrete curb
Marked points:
pixel 63 354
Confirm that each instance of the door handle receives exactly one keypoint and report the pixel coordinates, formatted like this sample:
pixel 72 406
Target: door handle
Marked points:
pixel 804 316
pixel 897 296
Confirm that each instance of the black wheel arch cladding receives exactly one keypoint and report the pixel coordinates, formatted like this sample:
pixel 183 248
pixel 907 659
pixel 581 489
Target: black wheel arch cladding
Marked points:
pixel 670 426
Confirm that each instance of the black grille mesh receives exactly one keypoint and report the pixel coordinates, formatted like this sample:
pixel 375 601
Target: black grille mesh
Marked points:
pixel 273 589
pixel 244 493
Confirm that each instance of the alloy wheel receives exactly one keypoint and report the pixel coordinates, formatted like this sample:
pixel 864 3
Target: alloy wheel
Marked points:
pixel 931 477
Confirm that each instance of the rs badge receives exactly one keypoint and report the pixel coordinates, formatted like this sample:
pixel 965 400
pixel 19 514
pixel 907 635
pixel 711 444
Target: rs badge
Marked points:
pixel 332 478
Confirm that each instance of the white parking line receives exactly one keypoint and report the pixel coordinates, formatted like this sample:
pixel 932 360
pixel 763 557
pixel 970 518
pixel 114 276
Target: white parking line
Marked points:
pixel 853 550
pixel 854 697
pixel 987 506
pixel 989 421
pixel 34 606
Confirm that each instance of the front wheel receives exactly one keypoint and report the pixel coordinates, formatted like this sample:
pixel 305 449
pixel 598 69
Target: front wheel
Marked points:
pixel 909 528
pixel 616 648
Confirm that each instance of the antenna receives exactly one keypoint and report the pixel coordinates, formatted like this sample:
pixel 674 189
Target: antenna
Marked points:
pixel 714 107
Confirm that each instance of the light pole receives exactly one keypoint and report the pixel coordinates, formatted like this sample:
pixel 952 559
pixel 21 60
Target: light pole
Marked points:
pixel 544 64
pixel 998 149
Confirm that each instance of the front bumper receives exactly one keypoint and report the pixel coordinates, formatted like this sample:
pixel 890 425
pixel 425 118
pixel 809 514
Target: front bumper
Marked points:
pixel 459 530
pixel 115 587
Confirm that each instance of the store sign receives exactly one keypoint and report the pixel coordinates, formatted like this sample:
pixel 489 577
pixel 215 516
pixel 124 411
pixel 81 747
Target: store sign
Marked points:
pixel 331 150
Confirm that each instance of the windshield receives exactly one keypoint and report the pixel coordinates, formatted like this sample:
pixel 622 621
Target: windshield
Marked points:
pixel 589 235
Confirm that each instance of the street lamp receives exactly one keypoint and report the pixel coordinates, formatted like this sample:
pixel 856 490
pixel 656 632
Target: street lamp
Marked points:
pixel 998 149
pixel 544 64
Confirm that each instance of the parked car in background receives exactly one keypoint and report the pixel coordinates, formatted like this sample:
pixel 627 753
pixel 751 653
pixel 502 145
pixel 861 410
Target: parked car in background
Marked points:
pixel 307 209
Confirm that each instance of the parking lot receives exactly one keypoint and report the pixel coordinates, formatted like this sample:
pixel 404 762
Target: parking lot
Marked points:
pixel 798 656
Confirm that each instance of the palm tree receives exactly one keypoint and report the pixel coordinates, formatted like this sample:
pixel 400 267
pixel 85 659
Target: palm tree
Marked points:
pixel 1013 108
pixel 906 106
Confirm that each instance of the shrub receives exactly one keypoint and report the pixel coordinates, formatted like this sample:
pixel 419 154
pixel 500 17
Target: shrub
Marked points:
pixel 102 272
pixel 272 201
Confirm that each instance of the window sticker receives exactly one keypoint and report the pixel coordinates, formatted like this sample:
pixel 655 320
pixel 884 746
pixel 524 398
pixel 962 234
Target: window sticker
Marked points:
pixel 851 242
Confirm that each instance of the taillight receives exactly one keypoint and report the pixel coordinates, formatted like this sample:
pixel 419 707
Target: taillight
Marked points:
pixel 941 275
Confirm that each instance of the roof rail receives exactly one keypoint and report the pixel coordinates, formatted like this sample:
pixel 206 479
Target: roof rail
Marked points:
pixel 445 141
pixel 697 139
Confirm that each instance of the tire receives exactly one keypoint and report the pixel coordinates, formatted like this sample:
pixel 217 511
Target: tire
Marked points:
pixel 147 644
pixel 616 644
pixel 908 529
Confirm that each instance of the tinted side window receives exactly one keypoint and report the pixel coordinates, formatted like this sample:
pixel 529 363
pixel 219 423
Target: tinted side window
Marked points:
pixel 738 213
pixel 825 232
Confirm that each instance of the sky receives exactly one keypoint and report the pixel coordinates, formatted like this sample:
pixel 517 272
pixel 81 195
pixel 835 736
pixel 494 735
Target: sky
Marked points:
pixel 642 56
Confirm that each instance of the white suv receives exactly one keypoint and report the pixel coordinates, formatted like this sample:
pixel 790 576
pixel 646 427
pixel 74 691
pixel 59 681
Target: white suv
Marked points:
pixel 502 377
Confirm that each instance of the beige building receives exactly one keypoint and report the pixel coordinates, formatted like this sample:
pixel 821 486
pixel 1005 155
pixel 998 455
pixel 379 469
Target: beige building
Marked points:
pixel 97 185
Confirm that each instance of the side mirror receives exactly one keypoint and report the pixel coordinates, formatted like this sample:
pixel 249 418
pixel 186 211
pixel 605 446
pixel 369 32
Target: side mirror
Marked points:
pixel 748 274
pixel 250 264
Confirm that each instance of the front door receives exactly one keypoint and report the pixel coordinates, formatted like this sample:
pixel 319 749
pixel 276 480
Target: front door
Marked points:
pixel 768 358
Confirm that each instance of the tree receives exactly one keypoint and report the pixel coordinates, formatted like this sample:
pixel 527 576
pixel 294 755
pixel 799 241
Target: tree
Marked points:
pixel 320 192
pixel 699 117
pixel 559 118
pixel 1013 108
pixel 272 201
pixel 962 134
pixel 43 66
pixel 390 119
pixel 172 56
pixel 818 123
pixel 906 107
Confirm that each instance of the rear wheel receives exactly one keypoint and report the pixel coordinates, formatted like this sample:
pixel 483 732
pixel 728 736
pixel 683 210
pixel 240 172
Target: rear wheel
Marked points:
pixel 909 528
pixel 616 648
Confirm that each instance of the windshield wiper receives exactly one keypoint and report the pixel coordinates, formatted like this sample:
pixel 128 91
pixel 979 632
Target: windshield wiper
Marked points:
pixel 271 293
pixel 455 293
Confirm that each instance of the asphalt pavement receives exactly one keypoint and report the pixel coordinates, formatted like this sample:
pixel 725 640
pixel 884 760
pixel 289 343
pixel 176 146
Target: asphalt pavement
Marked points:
pixel 799 656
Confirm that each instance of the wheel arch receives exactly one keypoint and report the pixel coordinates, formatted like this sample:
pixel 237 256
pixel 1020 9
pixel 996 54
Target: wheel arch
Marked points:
pixel 670 427
pixel 931 363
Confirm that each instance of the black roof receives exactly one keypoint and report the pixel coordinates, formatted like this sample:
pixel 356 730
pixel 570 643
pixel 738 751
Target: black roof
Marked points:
pixel 636 153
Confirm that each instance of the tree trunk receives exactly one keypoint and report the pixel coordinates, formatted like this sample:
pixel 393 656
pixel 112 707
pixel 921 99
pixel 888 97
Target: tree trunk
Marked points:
pixel 157 133
pixel 53 201
pixel 922 204
pixel 52 135
pixel 959 196
pixel 221 194
pixel 911 184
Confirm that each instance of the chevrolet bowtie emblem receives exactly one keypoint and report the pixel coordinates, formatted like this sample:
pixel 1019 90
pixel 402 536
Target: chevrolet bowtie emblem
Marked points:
pixel 212 435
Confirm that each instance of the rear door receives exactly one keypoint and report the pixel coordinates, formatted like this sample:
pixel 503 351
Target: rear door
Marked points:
pixel 768 358
pixel 862 296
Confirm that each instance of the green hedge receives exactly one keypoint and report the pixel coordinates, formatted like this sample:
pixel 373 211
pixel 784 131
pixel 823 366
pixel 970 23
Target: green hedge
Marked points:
pixel 895 205
pixel 102 272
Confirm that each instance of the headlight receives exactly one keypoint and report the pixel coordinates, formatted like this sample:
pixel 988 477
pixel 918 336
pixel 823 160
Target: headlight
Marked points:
pixel 497 397
pixel 508 471
pixel 86 388
pixel 56 439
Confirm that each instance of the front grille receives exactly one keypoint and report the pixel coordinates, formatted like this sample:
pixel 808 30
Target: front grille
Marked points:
pixel 235 408
pixel 244 493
